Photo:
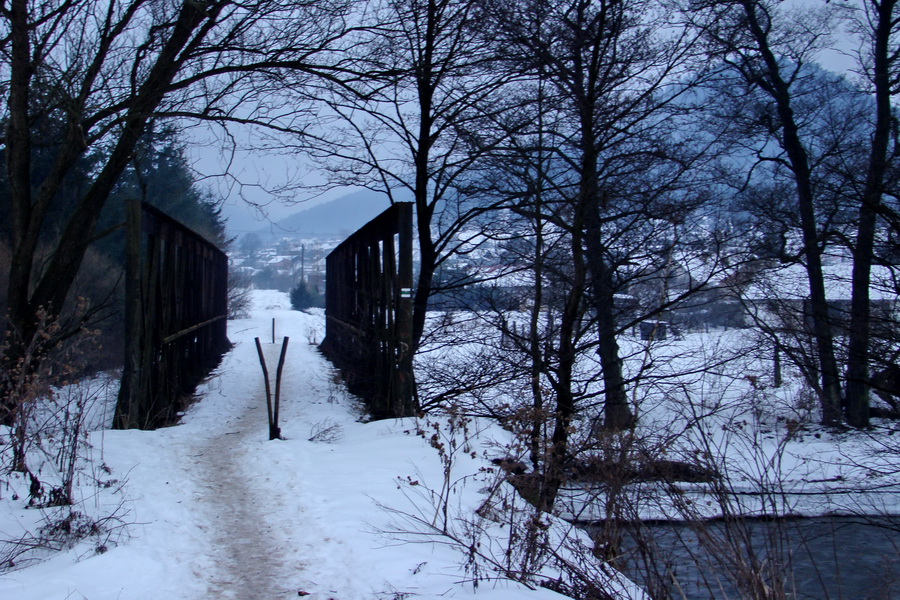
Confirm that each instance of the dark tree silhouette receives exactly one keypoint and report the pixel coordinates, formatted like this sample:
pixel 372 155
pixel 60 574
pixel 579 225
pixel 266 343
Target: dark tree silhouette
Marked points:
pixel 106 70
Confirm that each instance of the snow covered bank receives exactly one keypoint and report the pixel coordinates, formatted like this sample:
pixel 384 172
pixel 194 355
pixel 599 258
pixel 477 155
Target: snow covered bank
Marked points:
pixel 347 509
pixel 212 509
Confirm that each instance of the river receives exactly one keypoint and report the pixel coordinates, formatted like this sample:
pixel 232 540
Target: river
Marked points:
pixel 825 558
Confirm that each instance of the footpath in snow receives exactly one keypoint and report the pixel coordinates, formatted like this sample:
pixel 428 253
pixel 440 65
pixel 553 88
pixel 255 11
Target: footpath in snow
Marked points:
pixel 211 508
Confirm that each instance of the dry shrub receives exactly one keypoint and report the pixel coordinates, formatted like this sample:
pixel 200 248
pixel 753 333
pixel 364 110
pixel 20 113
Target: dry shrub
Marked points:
pixel 240 299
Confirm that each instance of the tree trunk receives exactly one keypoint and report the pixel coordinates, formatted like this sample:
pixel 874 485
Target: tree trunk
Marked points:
pixel 616 411
pixel 18 165
pixel 857 392
pixel 49 290
pixel 779 90
pixel 564 412
pixel 617 414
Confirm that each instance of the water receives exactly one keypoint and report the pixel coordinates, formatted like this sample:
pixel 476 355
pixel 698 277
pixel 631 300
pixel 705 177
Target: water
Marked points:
pixel 828 558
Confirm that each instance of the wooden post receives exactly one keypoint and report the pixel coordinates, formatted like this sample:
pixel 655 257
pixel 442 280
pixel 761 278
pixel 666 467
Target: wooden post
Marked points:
pixel 274 429
pixel 130 390
pixel 262 362
pixel 406 387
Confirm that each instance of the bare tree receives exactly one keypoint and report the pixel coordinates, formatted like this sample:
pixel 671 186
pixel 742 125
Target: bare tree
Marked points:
pixel 616 81
pixel 652 231
pixel 403 128
pixel 770 50
pixel 881 65
pixel 834 144
pixel 104 70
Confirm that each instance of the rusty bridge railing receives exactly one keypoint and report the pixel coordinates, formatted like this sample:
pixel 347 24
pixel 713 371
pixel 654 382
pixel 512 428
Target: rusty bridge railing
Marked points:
pixel 176 316
pixel 368 309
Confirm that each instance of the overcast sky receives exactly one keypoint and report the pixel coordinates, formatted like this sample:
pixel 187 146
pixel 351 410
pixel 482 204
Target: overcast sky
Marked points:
pixel 253 198
pixel 259 188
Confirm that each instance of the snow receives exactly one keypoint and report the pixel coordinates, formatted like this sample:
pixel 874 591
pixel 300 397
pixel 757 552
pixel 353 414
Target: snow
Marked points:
pixel 709 399
pixel 792 282
pixel 766 441
pixel 211 508
pixel 347 509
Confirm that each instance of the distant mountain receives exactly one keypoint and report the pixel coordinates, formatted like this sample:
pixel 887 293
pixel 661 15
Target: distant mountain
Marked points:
pixel 338 217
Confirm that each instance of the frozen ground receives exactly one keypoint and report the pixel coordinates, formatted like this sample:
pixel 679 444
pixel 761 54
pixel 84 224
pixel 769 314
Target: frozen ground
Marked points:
pixel 706 400
pixel 212 509
pixel 339 509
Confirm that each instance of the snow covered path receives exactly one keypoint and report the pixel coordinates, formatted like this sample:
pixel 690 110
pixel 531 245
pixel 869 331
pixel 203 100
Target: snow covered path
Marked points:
pixel 263 506
pixel 245 563
pixel 212 509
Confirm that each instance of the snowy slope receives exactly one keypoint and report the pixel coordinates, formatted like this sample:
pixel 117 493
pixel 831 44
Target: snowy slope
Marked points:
pixel 212 509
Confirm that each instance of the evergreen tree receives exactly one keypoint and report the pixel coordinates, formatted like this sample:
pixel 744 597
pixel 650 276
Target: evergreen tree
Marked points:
pixel 304 296
pixel 161 175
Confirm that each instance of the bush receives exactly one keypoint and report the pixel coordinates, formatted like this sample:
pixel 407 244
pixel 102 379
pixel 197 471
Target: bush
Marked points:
pixel 240 298
pixel 303 296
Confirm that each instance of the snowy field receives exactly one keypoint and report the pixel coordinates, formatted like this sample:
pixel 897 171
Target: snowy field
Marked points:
pixel 705 400
pixel 346 509
pixel 711 402
pixel 211 508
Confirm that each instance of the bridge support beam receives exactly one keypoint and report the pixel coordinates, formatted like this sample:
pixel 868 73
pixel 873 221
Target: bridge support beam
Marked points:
pixel 368 309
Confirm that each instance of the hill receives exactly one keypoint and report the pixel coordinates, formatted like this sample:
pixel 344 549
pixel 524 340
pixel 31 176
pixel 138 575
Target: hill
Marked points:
pixel 339 217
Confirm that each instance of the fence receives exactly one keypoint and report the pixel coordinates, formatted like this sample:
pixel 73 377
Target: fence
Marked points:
pixel 176 325
pixel 368 309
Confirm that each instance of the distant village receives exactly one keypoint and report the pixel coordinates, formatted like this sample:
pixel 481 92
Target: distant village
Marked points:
pixel 282 264
pixel 488 276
